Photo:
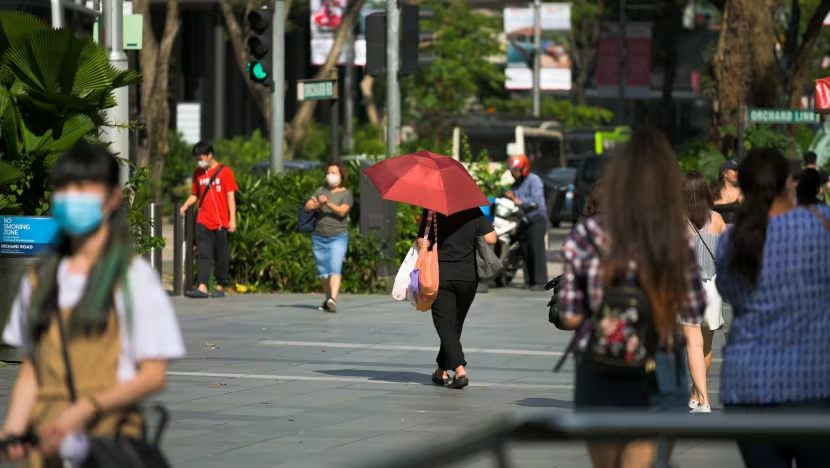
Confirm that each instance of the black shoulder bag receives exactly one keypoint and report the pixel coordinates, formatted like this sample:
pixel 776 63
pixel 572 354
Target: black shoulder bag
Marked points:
pixel 210 184
pixel 118 451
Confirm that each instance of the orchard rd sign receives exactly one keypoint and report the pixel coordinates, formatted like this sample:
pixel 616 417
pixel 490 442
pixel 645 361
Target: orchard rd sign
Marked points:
pixel 784 116
pixel 316 90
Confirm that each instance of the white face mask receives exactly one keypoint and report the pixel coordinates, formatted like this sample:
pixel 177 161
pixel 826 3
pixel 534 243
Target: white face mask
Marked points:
pixel 202 164
pixel 333 180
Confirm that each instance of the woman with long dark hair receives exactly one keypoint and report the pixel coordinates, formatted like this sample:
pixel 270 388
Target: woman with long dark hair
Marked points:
pixel 726 193
pixel 706 226
pixel 774 268
pixel 809 187
pixel 107 308
pixel 640 240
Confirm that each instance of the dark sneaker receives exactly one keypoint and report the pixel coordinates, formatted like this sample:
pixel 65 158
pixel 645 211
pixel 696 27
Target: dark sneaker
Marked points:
pixel 218 294
pixel 331 304
pixel 196 294
pixel 325 306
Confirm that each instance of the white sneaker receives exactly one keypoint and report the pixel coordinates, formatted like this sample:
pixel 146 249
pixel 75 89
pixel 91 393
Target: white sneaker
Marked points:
pixel 693 404
pixel 701 409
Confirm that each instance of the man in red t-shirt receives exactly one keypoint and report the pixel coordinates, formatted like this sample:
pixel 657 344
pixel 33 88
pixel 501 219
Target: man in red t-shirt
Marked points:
pixel 213 190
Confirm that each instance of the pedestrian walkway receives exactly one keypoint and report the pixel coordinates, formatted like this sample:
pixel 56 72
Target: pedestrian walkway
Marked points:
pixel 271 381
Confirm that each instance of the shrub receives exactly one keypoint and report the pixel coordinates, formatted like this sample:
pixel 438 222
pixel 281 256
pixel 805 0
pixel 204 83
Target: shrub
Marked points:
pixel 268 253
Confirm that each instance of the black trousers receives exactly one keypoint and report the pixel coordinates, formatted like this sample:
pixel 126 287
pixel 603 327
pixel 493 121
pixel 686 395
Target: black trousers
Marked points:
pixel 533 251
pixel 771 455
pixel 213 247
pixel 448 313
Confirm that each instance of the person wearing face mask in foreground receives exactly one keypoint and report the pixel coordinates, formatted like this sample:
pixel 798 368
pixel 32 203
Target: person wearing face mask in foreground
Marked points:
pixel 104 308
pixel 213 189
pixel 330 239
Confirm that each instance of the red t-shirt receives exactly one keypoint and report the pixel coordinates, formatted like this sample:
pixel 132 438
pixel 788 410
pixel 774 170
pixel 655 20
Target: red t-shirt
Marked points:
pixel 214 212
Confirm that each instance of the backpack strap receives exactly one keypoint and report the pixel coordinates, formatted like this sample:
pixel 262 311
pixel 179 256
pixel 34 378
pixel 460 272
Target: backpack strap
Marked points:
pixel 209 184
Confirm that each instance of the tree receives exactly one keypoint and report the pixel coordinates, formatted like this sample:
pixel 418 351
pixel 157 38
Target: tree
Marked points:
pixel 238 32
pixel 303 116
pixel 799 45
pixel 585 31
pixel 465 41
pixel 155 92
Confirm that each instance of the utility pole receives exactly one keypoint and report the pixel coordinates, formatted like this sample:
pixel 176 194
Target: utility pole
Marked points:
pixel 278 89
pixel 348 94
pixel 393 93
pixel 58 14
pixel 119 138
pixel 623 59
pixel 537 57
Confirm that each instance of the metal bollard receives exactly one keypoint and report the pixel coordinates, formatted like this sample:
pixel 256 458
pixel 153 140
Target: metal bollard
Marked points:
pixel 190 238
pixel 179 248
pixel 153 212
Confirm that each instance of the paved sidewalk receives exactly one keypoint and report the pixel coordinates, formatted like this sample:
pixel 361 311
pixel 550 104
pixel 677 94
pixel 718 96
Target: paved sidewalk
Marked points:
pixel 271 381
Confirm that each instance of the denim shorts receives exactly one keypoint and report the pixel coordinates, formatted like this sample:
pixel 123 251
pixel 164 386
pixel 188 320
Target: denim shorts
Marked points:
pixel 329 253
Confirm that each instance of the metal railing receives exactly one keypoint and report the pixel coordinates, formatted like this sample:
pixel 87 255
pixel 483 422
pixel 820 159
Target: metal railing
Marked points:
pixel 153 213
pixel 794 428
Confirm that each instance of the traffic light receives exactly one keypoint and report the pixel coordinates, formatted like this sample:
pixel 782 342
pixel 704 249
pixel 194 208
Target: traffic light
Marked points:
pixel 260 59
pixel 376 44
pixel 413 39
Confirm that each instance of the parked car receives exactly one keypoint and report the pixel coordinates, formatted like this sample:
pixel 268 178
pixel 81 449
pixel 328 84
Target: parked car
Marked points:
pixel 559 187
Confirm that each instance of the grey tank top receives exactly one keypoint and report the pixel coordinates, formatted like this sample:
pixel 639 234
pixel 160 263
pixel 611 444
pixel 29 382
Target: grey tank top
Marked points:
pixel 704 258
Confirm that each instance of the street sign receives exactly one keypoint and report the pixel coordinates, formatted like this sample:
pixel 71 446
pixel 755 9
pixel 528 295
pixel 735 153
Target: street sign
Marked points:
pixel 316 90
pixel 784 116
pixel 27 235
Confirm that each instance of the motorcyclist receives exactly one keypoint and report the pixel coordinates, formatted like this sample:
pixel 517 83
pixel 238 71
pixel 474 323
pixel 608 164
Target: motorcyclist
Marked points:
pixel 526 190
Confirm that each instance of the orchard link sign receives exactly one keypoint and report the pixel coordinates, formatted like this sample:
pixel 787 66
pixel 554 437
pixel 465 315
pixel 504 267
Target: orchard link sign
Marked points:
pixel 781 116
pixel 317 90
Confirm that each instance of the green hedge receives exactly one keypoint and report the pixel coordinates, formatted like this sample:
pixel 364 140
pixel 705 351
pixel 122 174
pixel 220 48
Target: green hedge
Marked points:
pixel 267 252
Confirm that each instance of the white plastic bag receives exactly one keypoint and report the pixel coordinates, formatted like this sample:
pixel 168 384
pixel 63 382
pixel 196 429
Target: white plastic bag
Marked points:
pixel 402 281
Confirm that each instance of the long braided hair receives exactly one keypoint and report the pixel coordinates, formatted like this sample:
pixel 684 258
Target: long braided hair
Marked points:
pixel 84 163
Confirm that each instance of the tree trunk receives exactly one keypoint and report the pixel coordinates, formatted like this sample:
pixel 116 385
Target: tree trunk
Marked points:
pixel 238 35
pixel 369 100
pixel 155 66
pixel 584 36
pixel 732 70
pixel 803 54
pixel 673 13
pixel 301 119
pixel 766 88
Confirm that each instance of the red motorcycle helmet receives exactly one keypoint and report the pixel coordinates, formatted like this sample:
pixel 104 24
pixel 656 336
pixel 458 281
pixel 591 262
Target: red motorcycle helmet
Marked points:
pixel 519 161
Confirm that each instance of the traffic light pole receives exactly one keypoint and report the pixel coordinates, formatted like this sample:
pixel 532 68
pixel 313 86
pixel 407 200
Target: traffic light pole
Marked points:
pixel 393 92
pixel 537 57
pixel 278 89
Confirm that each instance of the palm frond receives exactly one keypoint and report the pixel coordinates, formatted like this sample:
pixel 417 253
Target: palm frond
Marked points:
pixel 9 173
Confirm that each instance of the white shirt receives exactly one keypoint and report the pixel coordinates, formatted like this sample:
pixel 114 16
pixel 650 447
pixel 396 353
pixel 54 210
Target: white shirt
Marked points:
pixel 153 334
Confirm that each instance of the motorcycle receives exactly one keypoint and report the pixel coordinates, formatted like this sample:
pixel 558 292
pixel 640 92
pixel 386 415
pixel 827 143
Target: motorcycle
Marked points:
pixel 510 223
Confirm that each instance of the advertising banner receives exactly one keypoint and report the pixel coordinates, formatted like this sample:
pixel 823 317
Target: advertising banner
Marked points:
pixel 556 61
pixel 326 16
pixel 637 66
pixel 27 235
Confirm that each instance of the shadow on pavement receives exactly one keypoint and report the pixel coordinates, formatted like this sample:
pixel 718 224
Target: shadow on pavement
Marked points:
pixel 383 376
pixel 544 403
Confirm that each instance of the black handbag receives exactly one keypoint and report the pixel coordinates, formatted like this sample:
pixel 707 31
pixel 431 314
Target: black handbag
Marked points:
pixel 553 307
pixel 118 451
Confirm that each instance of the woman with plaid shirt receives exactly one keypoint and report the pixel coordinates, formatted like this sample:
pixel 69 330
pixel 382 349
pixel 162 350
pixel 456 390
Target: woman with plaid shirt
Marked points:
pixel 643 233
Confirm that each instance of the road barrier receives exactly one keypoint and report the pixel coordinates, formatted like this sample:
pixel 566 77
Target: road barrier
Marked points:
pixel 795 428
pixel 184 230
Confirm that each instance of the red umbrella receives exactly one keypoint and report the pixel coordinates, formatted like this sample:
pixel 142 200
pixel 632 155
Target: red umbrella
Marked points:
pixel 428 180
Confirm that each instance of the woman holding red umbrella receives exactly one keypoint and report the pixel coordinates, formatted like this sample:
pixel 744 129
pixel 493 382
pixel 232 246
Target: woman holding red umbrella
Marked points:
pixel 448 194
pixel 458 281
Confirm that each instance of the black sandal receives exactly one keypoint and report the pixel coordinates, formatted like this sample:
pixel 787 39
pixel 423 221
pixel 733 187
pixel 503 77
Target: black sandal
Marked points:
pixel 459 382
pixel 438 379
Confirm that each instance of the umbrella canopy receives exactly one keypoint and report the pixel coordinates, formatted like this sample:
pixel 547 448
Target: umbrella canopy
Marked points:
pixel 428 180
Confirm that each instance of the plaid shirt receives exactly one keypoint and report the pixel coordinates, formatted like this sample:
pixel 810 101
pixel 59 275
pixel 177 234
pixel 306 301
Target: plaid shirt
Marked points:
pixel 582 280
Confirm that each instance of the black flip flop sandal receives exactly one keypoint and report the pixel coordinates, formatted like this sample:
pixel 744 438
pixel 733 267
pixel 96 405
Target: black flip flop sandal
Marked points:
pixel 459 382
pixel 437 378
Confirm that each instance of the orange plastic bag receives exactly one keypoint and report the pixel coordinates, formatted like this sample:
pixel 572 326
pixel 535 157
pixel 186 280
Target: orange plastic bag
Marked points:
pixel 823 96
pixel 427 265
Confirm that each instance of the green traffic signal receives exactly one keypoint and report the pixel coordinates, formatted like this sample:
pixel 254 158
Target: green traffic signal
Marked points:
pixel 257 71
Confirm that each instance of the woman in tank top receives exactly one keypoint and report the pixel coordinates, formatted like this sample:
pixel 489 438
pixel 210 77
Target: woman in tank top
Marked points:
pixel 707 225
pixel 726 193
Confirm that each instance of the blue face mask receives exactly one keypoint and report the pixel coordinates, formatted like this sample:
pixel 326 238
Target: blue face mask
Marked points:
pixel 77 213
